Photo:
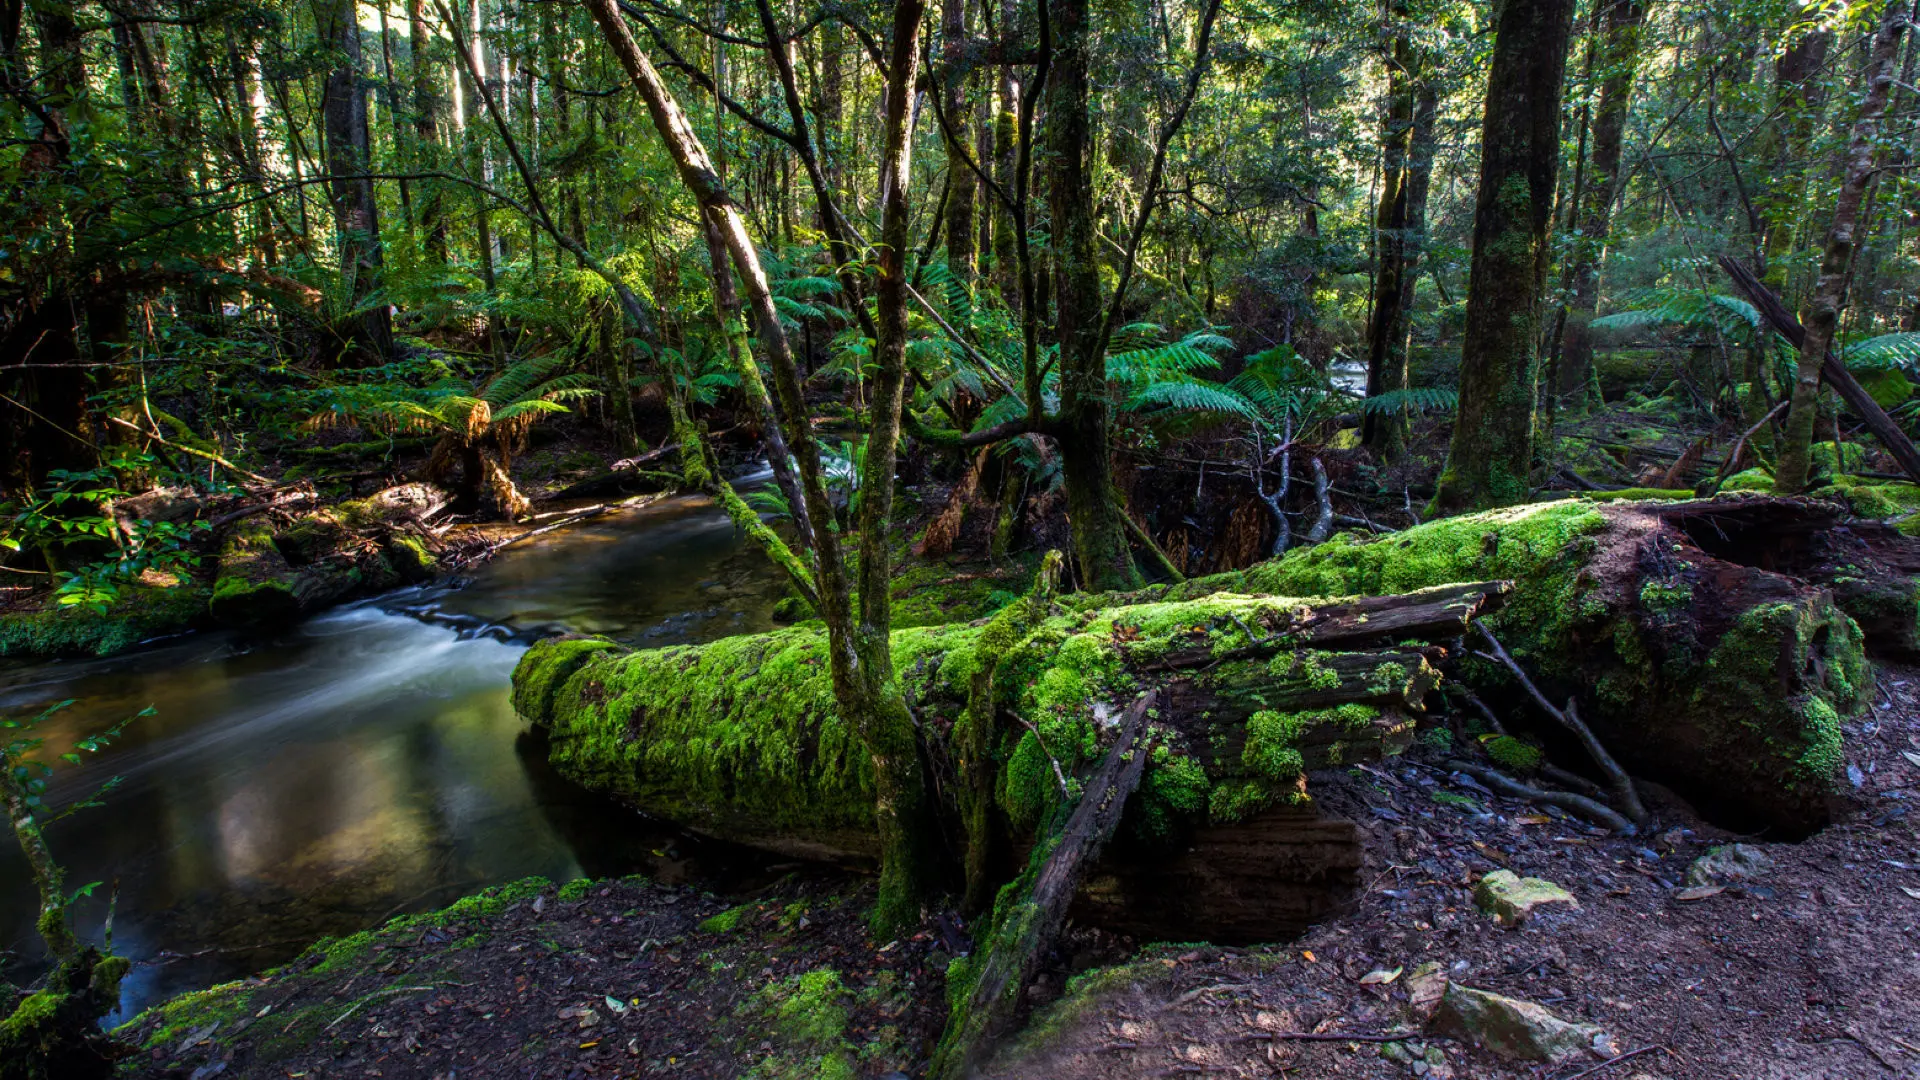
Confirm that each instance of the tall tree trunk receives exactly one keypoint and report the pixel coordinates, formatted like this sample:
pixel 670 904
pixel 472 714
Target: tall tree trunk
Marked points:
pixel 1618 58
pixel 349 158
pixel 1830 288
pixel 1084 421
pixel 1383 431
pixel 1492 448
pixel 957 78
pixel 1799 95
pixel 429 116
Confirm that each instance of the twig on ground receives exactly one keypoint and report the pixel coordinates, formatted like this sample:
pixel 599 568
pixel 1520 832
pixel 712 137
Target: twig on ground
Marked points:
pixel 1624 795
pixel 1614 1060
pixel 1597 812
pixel 1326 1036
pixel 377 993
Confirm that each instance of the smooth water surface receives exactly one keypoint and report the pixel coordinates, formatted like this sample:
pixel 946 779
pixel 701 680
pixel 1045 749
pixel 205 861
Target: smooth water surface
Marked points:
pixel 366 762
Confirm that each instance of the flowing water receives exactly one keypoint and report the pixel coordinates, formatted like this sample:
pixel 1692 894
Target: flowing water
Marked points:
pixel 366 762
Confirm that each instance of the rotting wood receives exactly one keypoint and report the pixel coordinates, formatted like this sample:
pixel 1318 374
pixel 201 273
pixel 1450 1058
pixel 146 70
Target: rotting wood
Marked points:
pixel 1027 923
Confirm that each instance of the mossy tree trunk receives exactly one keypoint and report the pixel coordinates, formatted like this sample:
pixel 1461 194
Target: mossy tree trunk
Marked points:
pixel 1083 426
pixel 1836 262
pixel 1617 56
pixel 864 682
pixel 1492 448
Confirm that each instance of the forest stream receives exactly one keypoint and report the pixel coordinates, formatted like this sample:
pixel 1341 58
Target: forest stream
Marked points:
pixel 367 762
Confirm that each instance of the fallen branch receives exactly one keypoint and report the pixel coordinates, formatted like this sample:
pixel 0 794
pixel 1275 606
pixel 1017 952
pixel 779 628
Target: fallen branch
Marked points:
pixel 201 454
pixel 1832 370
pixel 1624 795
pixel 1614 1060
pixel 1593 810
pixel 1026 928
pixel 277 501
pixel 1739 445
pixel 1327 1036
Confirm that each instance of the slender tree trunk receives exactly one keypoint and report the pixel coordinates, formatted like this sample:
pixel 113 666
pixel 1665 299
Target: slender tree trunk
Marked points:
pixel 1084 421
pixel 349 158
pixel 429 116
pixel 957 78
pixel 864 686
pixel 1492 448
pixel 1618 56
pixel 1830 288
pixel 1386 328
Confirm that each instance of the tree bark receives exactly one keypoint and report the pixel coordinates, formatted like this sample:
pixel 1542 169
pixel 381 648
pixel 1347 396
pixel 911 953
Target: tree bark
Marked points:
pixel 349 158
pixel 1084 423
pixel 1618 61
pixel 1386 326
pixel 956 79
pixel 1830 289
pixel 1799 95
pixel 1492 448
pixel 429 112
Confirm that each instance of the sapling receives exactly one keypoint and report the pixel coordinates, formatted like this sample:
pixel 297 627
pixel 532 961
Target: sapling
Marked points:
pixel 54 1031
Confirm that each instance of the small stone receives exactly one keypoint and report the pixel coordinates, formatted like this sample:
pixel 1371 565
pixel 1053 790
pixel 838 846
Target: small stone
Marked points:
pixel 1512 1028
pixel 1729 864
pixel 1510 898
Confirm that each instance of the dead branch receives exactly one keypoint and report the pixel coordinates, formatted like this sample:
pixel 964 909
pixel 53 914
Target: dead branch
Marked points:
pixel 1322 525
pixel 201 454
pixel 1624 795
pixel 1596 812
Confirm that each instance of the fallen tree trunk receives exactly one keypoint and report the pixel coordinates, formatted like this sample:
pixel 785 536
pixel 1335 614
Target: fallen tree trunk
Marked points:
pixel 740 738
pixel 1698 653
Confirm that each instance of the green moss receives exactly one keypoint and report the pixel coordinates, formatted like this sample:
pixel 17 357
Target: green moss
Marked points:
pixel 138 614
pixel 546 667
pixel 1636 494
pixel 410 557
pixel 1455 800
pixel 729 920
pixel 1756 479
pixel 577 889
pixel 1510 753
pixel 808 1016
pixel 1666 598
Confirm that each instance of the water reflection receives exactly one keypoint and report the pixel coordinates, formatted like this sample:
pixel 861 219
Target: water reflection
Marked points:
pixel 367 762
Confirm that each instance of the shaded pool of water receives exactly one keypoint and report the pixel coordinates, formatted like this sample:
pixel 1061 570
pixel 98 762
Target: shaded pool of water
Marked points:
pixel 366 762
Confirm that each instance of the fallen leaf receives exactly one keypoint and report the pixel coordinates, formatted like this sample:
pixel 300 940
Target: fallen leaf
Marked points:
pixel 589 1045
pixel 1911 756
pixel 616 1004
pixel 1699 892
pixel 1534 819
pixel 1910 891
pixel 1380 976
pixel 1311 959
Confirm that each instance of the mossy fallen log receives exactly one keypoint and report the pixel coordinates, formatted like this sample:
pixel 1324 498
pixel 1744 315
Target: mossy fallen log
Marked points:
pixel 1699 655
pixel 741 738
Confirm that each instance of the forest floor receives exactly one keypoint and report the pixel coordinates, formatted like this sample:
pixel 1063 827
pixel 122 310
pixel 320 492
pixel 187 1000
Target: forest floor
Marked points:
pixel 1809 970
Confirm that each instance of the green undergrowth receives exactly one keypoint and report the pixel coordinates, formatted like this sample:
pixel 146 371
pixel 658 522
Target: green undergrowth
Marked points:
pixel 138 614
pixel 236 1006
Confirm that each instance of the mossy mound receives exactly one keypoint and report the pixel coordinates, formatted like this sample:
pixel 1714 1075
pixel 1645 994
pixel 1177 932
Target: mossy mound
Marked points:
pixel 1723 679
pixel 254 585
pixel 140 613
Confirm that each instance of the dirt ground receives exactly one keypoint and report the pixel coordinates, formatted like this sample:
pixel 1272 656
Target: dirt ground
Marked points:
pixel 1811 970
